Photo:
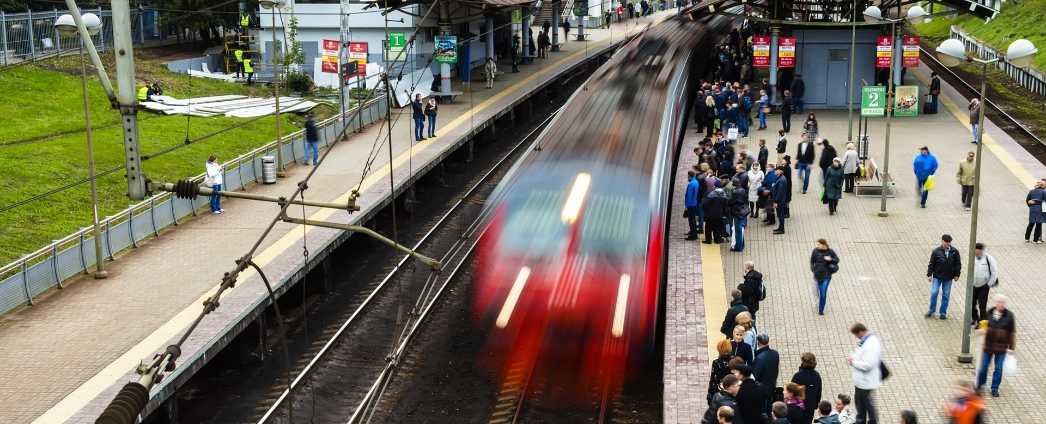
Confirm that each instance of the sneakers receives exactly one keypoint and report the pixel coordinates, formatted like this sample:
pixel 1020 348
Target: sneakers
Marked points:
pixel 943 316
pixel 995 393
pixel 928 315
pixel 218 212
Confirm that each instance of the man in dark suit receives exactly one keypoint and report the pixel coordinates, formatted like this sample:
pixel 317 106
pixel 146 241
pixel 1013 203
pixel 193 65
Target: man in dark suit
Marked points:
pixel 935 91
pixel 767 362
pixel 753 398
pixel 798 90
pixel 764 154
pixel 779 193
pixel 736 306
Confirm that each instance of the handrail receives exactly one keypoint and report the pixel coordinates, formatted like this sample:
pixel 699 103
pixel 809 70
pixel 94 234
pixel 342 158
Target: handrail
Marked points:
pixel 47 250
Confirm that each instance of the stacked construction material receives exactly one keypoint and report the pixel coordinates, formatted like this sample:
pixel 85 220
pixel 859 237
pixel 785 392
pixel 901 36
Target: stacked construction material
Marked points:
pixel 230 105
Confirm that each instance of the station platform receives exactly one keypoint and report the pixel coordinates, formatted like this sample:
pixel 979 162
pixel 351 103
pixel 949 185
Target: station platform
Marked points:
pixel 882 280
pixel 65 357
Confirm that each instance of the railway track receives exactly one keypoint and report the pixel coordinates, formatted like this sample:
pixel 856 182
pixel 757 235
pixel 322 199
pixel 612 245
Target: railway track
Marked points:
pixel 328 360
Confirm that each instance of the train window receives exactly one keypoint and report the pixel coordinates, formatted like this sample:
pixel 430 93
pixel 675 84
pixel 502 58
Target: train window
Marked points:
pixel 613 225
pixel 534 222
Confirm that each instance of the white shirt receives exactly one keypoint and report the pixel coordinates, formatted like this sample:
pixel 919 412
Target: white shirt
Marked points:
pixel 214 174
pixel 985 271
pixel 866 360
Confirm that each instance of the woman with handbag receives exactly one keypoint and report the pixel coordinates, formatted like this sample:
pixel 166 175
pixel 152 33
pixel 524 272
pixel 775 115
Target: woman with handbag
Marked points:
pixel 823 263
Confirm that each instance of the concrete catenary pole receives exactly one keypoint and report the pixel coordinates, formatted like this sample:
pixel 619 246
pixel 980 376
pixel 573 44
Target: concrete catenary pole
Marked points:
pixel 557 14
pixel 125 82
pixel 444 30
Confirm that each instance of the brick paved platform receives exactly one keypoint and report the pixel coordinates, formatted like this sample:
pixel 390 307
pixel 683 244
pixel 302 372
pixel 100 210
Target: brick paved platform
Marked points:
pixel 66 356
pixel 882 279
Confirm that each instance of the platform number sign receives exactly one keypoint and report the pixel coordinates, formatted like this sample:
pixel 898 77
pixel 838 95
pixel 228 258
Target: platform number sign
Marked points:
pixel 873 100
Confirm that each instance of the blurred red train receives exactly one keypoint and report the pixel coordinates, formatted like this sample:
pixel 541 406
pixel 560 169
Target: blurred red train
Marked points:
pixel 569 268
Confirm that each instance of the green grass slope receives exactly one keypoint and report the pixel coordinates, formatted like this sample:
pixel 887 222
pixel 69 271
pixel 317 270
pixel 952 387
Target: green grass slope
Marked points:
pixel 42 146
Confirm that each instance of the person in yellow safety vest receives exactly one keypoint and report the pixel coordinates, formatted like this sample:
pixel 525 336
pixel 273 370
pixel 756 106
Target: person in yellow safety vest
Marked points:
pixel 143 93
pixel 249 70
pixel 245 21
pixel 239 62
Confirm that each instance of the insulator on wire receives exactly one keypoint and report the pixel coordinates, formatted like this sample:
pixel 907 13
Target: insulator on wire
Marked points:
pixel 126 406
pixel 186 189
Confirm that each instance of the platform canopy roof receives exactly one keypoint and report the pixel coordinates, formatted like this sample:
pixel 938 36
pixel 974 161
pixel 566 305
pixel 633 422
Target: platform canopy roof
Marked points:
pixel 827 11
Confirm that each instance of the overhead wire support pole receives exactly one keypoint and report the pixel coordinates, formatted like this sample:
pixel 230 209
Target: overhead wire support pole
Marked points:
pixel 125 80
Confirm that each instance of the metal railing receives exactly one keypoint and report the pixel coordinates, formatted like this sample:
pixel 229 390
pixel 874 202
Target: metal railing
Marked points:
pixel 1030 79
pixel 31 36
pixel 51 265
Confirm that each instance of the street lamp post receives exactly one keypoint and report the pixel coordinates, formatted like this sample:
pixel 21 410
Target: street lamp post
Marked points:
pixel 272 5
pixel 66 26
pixel 951 53
pixel 873 14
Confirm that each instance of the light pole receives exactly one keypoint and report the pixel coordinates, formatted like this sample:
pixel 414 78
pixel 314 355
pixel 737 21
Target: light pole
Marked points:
pixel 951 53
pixel 873 14
pixel 850 85
pixel 66 26
pixel 272 5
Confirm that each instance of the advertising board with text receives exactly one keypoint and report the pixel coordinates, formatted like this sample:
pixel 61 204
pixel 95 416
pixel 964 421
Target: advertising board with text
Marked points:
pixel 786 52
pixel 329 59
pixel 358 53
pixel 395 46
pixel 873 100
pixel 446 49
pixel 907 101
pixel 761 51
pixel 910 51
pixel 883 51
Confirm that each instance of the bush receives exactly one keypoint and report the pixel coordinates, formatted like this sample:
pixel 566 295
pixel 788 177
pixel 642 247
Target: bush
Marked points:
pixel 359 93
pixel 299 82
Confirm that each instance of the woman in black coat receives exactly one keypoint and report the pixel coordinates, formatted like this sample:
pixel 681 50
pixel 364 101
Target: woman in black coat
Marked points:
pixel 828 154
pixel 823 263
pixel 720 367
pixel 810 379
pixel 739 348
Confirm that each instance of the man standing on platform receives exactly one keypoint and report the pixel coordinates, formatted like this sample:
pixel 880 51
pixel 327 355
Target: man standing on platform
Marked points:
pixel 418 109
pixel 866 362
pixel 944 268
pixel 779 193
pixel 935 92
pixel 804 158
pixel 965 177
pixel 692 201
pixel 798 90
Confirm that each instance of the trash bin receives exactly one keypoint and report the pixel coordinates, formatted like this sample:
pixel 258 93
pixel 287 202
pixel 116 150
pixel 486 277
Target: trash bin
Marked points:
pixel 268 169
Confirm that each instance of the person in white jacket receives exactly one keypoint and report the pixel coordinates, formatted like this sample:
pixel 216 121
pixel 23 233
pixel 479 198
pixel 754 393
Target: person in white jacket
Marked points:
pixel 985 276
pixel 866 362
pixel 755 181
pixel 213 179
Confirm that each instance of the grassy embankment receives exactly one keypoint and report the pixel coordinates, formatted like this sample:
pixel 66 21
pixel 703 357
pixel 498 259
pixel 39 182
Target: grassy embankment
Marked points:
pixel 42 145
pixel 1016 20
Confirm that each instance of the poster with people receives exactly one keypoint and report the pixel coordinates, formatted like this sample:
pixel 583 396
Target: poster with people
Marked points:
pixel 446 49
pixel 907 103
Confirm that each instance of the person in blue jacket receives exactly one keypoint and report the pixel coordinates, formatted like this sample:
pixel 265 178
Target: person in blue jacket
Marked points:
pixel 691 202
pixel 924 165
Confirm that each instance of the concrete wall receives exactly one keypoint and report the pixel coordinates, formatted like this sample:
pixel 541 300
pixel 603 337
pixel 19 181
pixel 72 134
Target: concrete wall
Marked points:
pixel 822 58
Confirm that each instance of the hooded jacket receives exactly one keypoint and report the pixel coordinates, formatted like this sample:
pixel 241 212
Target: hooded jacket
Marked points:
pixel 924 165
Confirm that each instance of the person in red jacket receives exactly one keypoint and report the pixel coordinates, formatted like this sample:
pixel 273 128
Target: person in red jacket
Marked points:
pixel 967 407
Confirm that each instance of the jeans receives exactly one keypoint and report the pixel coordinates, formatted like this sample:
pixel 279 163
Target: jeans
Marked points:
pixel 762 119
pixel 691 219
pixel 742 126
pixel 419 127
pixel 866 412
pixel 803 170
pixel 980 303
pixel 739 233
pixel 945 289
pixel 313 148
pixel 973 129
pixel 982 371
pixel 1038 231
pixel 798 104
pixel 933 104
pixel 967 195
pixel 822 294
pixel 432 126
pixel 216 199
pixel 920 182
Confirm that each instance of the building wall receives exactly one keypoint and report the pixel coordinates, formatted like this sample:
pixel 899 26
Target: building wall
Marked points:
pixel 822 58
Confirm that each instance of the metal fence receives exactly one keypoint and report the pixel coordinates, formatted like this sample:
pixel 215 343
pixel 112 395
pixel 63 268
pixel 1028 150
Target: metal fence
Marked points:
pixel 31 35
pixel 1030 79
pixel 35 273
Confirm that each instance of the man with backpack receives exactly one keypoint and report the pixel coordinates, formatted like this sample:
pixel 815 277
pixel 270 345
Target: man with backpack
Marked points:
pixel 752 289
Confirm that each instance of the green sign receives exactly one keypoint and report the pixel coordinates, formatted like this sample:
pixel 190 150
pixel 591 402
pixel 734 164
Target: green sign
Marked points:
pixel 517 16
pixel 873 100
pixel 395 45
pixel 580 8
pixel 907 101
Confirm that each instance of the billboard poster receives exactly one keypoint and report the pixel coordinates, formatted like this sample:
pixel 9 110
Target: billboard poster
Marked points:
pixel 761 51
pixel 446 49
pixel 883 51
pixel 786 52
pixel 910 51
pixel 358 53
pixel 907 103
pixel 329 60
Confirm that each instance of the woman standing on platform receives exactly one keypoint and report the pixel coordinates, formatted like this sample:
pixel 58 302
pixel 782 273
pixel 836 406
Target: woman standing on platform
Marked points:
pixel 850 159
pixel 833 185
pixel 755 182
pixel 720 366
pixel 823 263
pixel 811 126
pixel 764 108
pixel 1036 200
pixel 430 111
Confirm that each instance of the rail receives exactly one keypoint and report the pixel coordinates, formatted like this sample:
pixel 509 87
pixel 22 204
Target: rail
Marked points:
pixel 1032 80
pixel 51 265
pixel 31 36
pixel 928 55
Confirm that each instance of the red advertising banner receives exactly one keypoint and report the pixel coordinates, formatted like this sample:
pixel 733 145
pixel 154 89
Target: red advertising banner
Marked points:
pixel 910 51
pixel 358 54
pixel 761 51
pixel 883 51
pixel 329 61
pixel 786 52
